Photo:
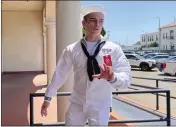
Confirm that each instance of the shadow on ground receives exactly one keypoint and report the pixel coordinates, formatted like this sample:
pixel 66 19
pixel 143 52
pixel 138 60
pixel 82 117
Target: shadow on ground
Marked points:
pixel 164 75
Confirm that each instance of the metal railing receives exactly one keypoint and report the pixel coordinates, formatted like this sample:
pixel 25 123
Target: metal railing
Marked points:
pixel 167 118
pixel 157 86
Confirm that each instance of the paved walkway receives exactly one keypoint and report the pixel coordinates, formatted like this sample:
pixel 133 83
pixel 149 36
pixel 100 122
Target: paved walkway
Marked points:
pixel 132 113
pixel 150 99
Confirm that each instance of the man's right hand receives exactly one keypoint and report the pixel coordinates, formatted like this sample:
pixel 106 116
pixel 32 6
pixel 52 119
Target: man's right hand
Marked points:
pixel 44 108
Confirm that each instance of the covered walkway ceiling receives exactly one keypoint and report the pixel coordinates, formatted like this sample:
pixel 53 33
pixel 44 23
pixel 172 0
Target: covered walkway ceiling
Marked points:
pixel 23 5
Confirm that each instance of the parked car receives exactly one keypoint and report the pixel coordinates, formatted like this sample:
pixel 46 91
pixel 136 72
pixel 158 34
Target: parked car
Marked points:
pixel 161 63
pixel 141 53
pixel 128 52
pixel 137 61
pixel 165 60
pixel 158 58
pixel 150 55
pixel 146 52
pixel 169 67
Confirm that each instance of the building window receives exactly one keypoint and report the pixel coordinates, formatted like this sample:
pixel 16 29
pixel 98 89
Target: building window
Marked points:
pixel 156 38
pixel 172 47
pixel 166 35
pixel 163 47
pixel 163 35
pixel 148 39
pixel 152 38
pixel 144 39
pixel 171 34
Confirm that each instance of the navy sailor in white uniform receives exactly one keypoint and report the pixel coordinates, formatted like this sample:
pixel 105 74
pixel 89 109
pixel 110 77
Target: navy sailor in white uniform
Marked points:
pixel 98 66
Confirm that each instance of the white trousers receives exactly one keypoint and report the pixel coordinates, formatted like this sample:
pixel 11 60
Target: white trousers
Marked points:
pixel 78 115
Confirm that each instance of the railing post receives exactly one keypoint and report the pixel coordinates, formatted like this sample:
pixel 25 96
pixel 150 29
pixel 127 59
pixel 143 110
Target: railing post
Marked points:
pixel 31 110
pixel 157 97
pixel 116 90
pixel 168 108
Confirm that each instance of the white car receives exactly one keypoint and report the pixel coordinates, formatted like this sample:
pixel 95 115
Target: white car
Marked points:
pixel 137 61
pixel 169 67
pixel 129 52
pixel 150 55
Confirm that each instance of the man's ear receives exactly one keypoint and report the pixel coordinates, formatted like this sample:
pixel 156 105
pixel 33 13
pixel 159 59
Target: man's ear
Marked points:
pixel 83 23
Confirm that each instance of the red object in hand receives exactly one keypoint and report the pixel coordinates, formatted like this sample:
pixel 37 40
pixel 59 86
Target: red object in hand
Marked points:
pixel 107 60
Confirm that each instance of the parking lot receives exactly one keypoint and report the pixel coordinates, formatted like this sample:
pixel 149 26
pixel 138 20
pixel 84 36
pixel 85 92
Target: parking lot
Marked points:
pixel 153 73
pixel 149 100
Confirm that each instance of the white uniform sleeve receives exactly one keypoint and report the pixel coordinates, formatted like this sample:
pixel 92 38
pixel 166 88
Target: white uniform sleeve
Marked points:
pixel 62 70
pixel 122 71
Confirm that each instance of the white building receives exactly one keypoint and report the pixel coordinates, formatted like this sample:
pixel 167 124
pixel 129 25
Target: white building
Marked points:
pixel 127 48
pixel 168 36
pixel 149 38
pixel 134 47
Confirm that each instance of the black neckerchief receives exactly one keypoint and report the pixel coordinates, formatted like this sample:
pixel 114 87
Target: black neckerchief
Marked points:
pixel 92 64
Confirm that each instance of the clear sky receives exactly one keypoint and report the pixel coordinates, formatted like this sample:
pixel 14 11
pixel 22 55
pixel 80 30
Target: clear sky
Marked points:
pixel 128 19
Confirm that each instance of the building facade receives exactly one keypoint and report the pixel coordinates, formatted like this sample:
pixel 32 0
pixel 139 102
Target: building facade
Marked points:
pixel 29 26
pixel 134 47
pixel 128 48
pixel 168 37
pixel 34 34
pixel 148 38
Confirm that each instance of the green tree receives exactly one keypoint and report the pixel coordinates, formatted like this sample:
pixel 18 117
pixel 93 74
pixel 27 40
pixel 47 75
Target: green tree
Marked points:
pixel 153 44
pixel 103 32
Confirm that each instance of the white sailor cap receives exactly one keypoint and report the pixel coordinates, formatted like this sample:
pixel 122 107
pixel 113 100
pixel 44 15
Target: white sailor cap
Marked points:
pixel 93 8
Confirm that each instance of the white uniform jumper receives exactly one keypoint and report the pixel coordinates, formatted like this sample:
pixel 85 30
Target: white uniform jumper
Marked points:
pixel 90 100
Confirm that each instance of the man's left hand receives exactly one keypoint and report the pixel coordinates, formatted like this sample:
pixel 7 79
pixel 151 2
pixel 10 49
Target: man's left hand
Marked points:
pixel 106 73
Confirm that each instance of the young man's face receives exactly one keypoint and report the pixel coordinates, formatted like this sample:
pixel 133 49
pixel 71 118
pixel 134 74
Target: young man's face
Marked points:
pixel 93 23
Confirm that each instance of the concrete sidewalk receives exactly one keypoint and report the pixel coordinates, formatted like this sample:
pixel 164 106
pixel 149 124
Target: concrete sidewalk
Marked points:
pixel 132 113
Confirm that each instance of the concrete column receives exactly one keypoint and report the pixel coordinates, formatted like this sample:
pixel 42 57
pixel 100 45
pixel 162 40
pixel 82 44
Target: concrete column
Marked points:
pixel 50 49
pixel 45 54
pixel 68 30
pixel 44 41
pixel 2 59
